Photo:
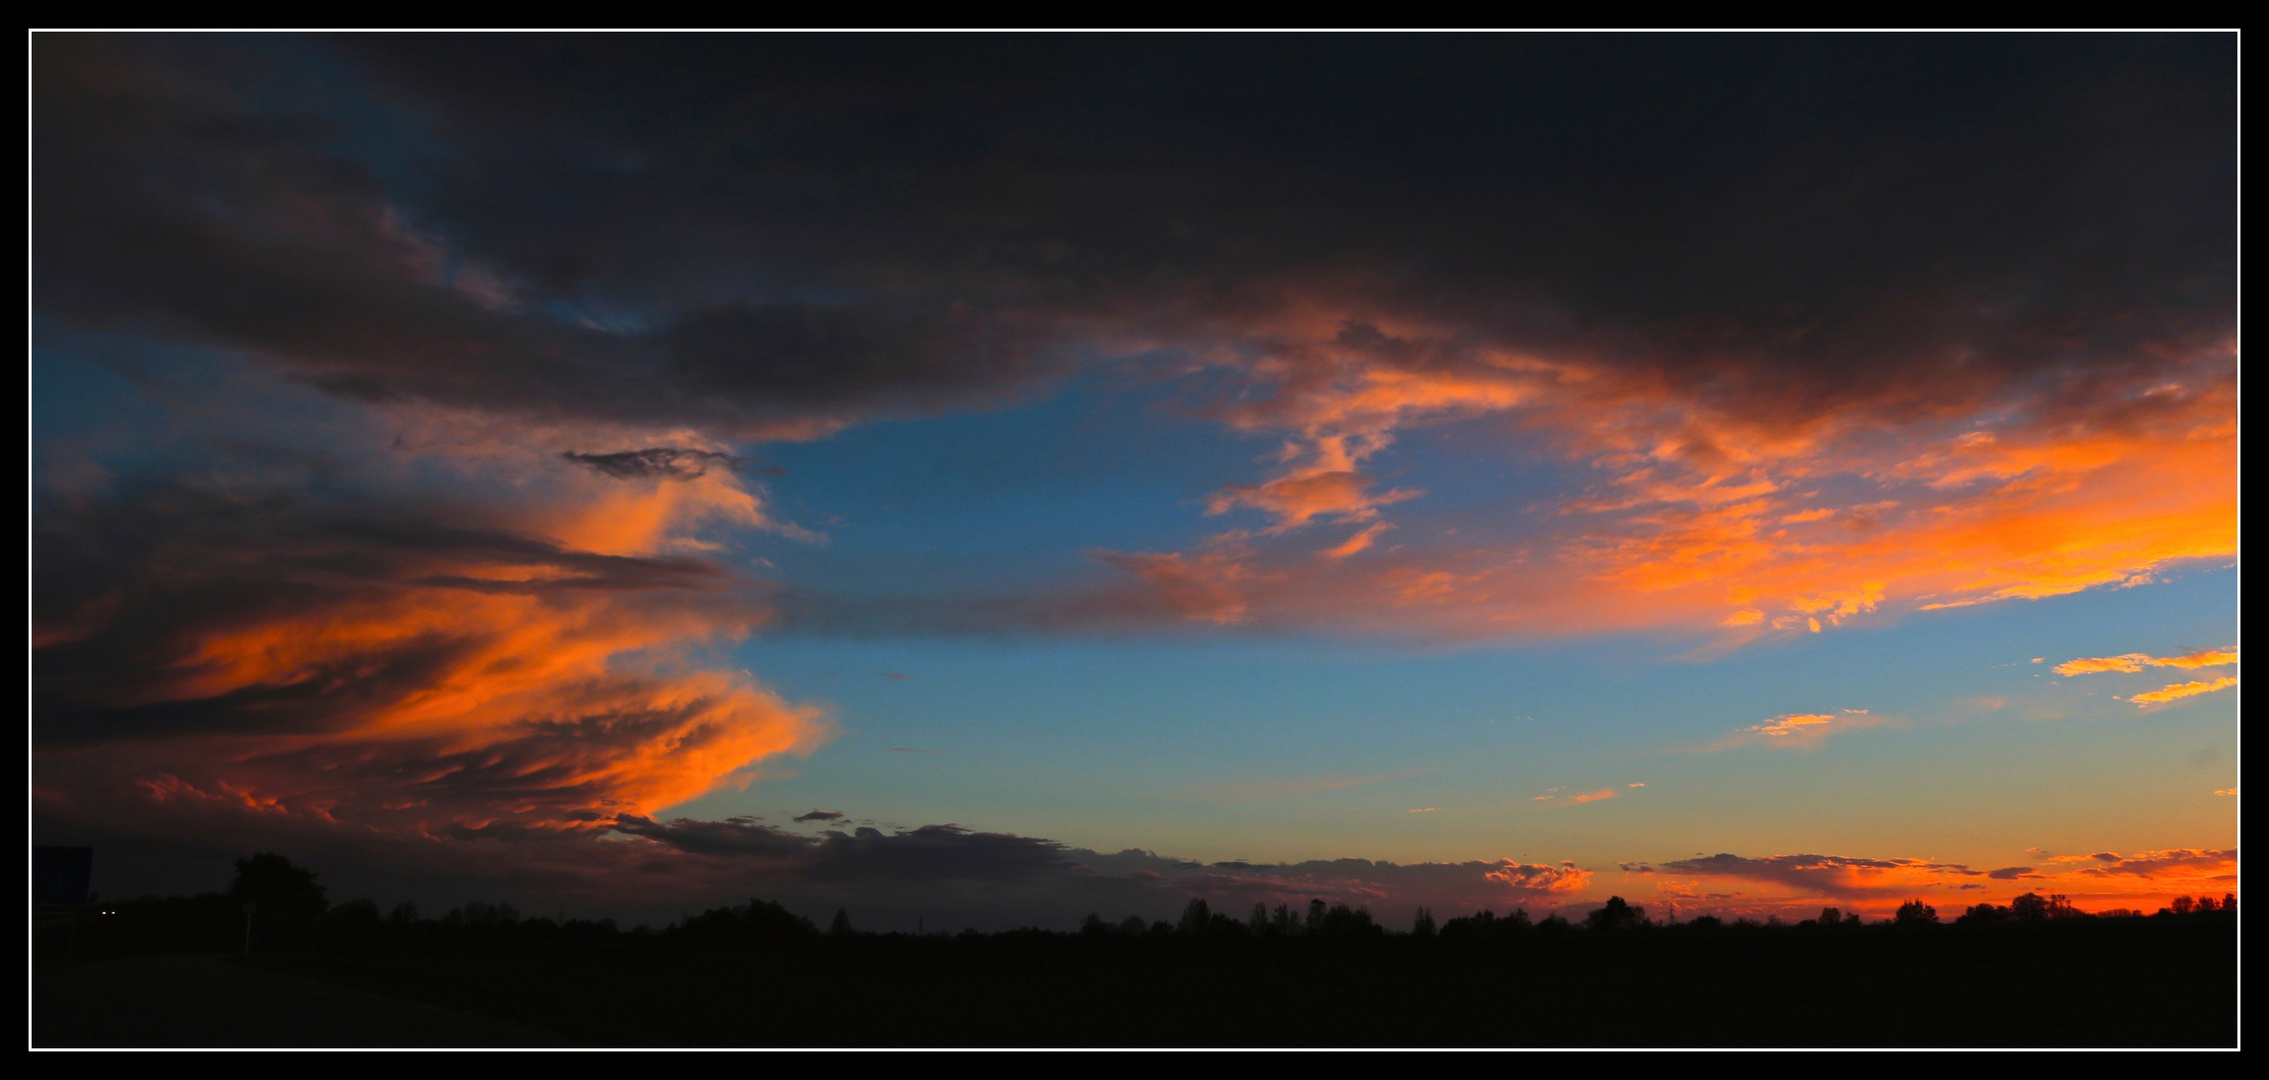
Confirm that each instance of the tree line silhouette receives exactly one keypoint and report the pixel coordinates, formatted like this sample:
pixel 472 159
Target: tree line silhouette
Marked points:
pixel 275 906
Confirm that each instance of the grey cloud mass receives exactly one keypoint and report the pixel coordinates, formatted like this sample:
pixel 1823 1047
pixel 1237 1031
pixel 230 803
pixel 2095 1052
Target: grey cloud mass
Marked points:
pixel 767 235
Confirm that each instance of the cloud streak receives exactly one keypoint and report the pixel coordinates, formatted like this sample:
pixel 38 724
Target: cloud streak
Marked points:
pixel 2133 662
pixel 2178 691
pixel 1799 731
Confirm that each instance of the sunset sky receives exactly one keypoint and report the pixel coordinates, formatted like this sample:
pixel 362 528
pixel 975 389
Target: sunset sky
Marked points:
pixel 984 479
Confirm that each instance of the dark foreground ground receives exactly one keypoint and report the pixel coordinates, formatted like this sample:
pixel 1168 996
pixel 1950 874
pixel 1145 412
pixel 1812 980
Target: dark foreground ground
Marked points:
pixel 217 1001
pixel 2117 983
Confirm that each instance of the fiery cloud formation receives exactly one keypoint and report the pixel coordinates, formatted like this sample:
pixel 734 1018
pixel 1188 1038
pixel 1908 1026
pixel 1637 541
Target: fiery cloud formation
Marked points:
pixel 1712 505
pixel 402 397
pixel 2174 691
pixel 2133 662
pixel 394 672
pixel 2130 663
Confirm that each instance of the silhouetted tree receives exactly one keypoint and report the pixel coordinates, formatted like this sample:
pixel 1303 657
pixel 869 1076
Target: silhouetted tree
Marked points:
pixel 1316 913
pixel 1705 922
pixel 1258 922
pixel 1422 924
pixel 1915 913
pixel 1197 918
pixel 281 901
pixel 2183 905
pixel 2033 907
pixel 354 924
pixel 1831 917
pixel 1617 914
pixel 1983 915
pixel 840 929
pixel 1486 925
pixel 1133 926
pixel 756 924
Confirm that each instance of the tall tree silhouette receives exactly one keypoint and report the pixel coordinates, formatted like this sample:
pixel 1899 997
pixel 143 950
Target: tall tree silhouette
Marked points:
pixel 280 901
pixel 1197 918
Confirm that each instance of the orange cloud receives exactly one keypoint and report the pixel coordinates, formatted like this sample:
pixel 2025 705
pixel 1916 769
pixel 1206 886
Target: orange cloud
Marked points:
pixel 1714 507
pixel 2174 691
pixel 1297 499
pixel 1557 797
pixel 2132 662
pixel 1802 731
pixel 1357 543
pixel 1209 586
pixel 402 673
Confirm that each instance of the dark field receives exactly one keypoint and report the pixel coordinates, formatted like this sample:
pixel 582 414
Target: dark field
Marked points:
pixel 2155 982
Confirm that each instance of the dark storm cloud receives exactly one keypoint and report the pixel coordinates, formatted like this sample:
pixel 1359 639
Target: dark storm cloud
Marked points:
pixel 130 593
pixel 748 231
pixel 176 200
pixel 931 852
pixel 820 815
pixel 1000 879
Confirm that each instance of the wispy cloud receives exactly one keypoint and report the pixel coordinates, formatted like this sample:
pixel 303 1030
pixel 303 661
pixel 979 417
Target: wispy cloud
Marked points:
pixel 1799 731
pixel 2132 662
pixel 1560 797
pixel 2174 691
